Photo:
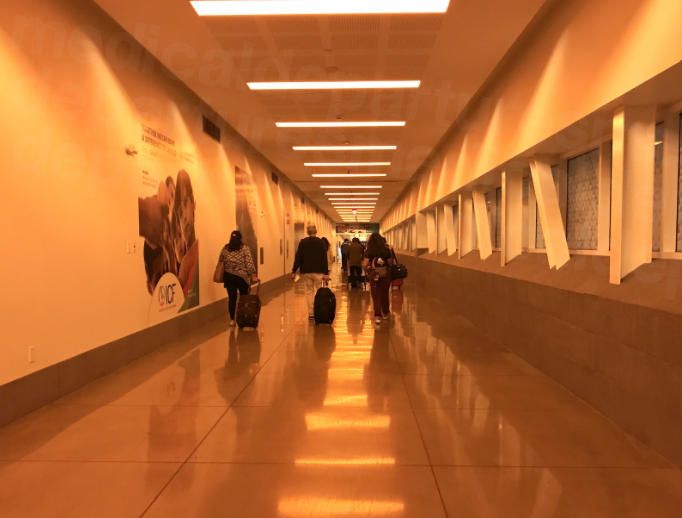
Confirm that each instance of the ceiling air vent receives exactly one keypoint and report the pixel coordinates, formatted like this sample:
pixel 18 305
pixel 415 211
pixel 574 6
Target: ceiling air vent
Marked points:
pixel 211 129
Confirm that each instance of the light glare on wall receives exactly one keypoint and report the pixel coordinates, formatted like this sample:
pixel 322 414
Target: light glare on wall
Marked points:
pixel 278 7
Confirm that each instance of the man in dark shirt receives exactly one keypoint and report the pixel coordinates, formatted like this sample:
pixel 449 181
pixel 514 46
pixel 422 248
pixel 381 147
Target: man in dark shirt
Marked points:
pixel 355 255
pixel 311 259
pixel 344 254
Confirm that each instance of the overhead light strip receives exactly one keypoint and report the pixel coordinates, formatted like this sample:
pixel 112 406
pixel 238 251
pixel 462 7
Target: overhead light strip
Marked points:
pixel 350 124
pixel 332 85
pixel 343 148
pixel 353 199
pixel 348 175
pixel 279 7
pixel 345 164
pixel 352 193
pixel 351 186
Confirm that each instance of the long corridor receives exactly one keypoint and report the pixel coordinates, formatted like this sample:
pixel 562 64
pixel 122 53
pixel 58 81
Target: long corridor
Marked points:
pixel 423 416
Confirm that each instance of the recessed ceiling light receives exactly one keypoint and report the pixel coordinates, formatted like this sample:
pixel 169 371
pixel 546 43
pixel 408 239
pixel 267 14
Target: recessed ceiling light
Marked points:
pixel 347 175
pixel 331 85
pixel 351 186
pixel 265 7
pixel 352 193
pixel 342 148
pixel 344 164
pixel 351 124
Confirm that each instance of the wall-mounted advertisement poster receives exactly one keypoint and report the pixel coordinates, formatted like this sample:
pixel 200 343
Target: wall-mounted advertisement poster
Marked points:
pixel 247 210
pixel 167 212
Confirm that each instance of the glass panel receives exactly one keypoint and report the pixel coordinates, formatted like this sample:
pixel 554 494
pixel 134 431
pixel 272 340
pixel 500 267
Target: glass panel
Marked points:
pixel 455 215
pixel 490 211
pixel 583 198
pixel 498 217
pixel 658 185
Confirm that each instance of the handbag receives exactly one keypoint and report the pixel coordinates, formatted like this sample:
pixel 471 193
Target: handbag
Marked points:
pixel 398 271
pixel 219 272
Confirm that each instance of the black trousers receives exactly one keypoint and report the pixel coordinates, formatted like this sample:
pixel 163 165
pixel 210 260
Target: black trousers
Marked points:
pixel 234 285
pixel 355 274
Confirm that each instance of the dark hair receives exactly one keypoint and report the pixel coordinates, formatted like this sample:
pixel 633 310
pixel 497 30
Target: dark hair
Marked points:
pixel 327 245
pixel 183 187
pixel 356 240
pixel 375 244
pixel 235 241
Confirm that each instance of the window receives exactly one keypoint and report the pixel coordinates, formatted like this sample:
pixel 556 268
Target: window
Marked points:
pixel 658 187
pixel 583 198
pixel 498 217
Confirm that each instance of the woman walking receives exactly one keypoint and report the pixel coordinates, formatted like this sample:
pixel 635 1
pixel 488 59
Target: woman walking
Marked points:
pixel 377 263
pixel 239 270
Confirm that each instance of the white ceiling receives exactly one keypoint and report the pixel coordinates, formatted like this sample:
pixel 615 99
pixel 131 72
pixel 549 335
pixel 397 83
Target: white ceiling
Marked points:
pixel 452 54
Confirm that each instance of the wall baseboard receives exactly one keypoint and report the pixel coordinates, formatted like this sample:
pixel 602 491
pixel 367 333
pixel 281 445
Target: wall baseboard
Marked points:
pixel 24 395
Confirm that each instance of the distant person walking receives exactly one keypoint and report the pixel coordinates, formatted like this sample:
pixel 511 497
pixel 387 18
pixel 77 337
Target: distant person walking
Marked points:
pixel 311 259
pixel 377 262
pixel 356 253
pixel 239 270
pixel 344 254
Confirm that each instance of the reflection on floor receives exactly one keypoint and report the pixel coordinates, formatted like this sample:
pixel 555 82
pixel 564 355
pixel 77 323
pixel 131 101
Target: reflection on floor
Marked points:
pixel 423 416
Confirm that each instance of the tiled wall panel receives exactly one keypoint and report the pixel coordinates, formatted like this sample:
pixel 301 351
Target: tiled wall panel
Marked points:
pixel 583 196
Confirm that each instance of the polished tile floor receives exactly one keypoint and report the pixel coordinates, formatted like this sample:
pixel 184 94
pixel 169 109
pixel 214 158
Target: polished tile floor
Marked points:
pixel 423 416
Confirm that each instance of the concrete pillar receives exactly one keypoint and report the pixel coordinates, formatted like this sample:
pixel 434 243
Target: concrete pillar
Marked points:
pixel 632 195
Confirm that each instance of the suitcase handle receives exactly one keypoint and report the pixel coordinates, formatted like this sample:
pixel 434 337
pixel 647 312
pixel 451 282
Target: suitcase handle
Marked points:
pixel 257 288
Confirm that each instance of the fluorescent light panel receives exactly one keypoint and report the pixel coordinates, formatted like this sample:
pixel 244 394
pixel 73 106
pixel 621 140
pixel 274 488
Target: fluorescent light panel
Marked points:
pixel 351 186
pixel 343 148
pixel 353 124
pixel 332 85
pixel 265 7
pixel 353 199
pixel 344 164
pixel 348 175
pixel 352 193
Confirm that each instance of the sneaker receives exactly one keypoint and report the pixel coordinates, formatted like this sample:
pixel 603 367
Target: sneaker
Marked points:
pixel 387 316
pixel 232 322
pixel 377 321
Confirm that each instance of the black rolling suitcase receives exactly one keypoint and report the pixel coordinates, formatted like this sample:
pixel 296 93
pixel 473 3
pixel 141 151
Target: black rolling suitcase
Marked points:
pixel 248 309
pixel 325 306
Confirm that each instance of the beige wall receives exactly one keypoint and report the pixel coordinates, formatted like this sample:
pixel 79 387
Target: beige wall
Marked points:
pixel 575 60
pixel 74 94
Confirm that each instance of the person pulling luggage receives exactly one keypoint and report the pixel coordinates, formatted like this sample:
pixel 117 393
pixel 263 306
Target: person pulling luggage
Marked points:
pixel 344 254
pixel 355 255
pixel 377 263
pixel 239 270
pixel 311 259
